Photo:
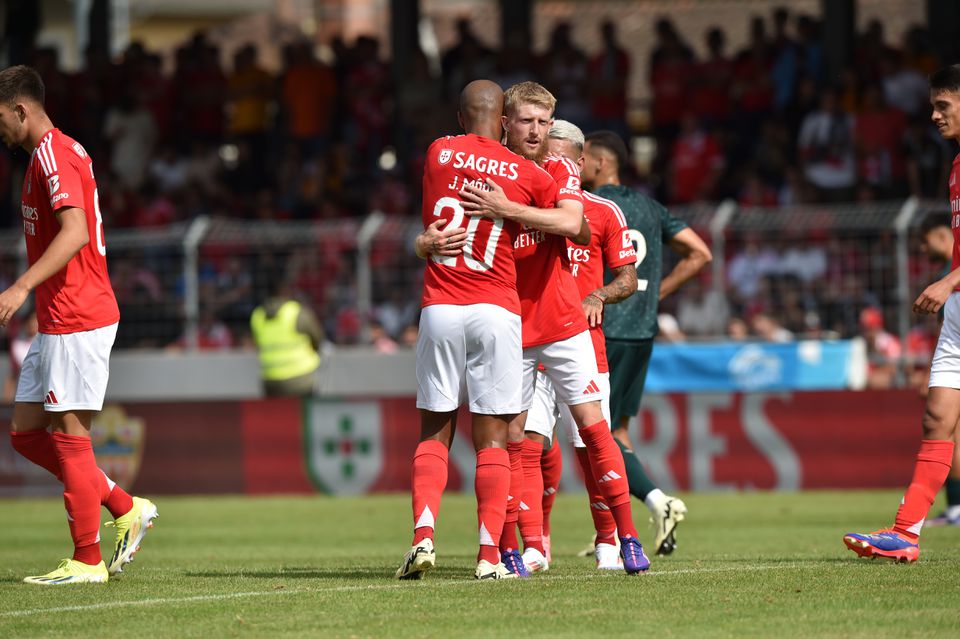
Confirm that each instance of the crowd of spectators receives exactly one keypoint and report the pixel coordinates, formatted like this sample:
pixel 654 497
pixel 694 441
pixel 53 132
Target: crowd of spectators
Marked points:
pixel 768 125
pixel 336 138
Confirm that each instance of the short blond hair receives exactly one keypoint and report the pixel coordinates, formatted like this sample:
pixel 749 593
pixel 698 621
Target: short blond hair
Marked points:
pixel 527 93
pixel 563 130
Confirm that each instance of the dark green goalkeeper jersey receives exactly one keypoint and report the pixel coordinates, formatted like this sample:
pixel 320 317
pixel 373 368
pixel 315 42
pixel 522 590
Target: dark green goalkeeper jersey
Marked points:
pixel 651 226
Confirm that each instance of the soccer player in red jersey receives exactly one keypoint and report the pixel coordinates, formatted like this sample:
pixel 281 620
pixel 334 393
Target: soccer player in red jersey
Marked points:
pixel 901 542
pixel 64 375
pixel 611 247
pixel 469 349
pixel 555 331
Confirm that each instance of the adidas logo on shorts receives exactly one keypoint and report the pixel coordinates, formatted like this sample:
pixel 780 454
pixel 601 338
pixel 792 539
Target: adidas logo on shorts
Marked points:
pixel 591 388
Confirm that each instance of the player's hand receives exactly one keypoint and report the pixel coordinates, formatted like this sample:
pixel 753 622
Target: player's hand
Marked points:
pixel 10 301
pixel 489 202
pixel 933 298
pixel 593 309
pixel 447 242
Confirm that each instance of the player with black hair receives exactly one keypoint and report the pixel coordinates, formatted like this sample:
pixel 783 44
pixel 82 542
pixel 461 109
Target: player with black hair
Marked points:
pixel 901 542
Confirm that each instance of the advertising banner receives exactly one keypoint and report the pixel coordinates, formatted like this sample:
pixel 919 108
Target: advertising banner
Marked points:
pixel 757 366
pixel 696 441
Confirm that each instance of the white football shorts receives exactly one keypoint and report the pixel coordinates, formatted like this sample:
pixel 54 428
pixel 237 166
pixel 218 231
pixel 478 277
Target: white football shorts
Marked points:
pixel 69 371
pixel 945 368
pixel 546 412
pixel 469 354
pixel 571 365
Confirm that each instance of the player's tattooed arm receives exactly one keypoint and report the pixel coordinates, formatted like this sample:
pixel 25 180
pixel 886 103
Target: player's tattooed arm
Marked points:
pixel 622 286
pixel 445 242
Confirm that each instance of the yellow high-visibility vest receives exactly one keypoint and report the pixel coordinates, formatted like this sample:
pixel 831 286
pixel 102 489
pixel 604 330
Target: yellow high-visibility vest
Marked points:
pixel 285 352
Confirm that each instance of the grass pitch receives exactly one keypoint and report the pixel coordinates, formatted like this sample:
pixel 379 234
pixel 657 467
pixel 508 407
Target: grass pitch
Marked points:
pixel 748 565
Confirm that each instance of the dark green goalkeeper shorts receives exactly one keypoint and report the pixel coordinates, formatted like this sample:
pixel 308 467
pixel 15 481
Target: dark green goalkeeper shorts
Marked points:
pixel 629 361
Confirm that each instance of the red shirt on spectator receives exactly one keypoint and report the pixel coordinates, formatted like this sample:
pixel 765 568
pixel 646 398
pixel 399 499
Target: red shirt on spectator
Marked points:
pixel 879 133
pixel 752 77
pixel 609 71
pixel 711 91
pixel 668 82
pixel 695 159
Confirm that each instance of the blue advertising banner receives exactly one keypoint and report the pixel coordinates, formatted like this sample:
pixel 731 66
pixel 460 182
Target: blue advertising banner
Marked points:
pixel 757 366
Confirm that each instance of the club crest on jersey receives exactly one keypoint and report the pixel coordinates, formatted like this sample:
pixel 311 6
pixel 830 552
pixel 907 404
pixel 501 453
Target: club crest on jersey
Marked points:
pixel 445 156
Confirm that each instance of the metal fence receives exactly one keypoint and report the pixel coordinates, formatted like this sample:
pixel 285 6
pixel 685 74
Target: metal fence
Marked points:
pixel 817 271
pixel 811 269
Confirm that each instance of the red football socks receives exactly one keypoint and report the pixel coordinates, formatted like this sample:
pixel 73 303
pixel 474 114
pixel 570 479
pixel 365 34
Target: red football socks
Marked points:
pixel 117 500
pixel 429 479
pixel 492 485
pixel 551 466
pixel 37 446
pixel 931 470
pixel 603 521
pixel 508 539
pixel 531 507
pixel 82 493
pixel 610 473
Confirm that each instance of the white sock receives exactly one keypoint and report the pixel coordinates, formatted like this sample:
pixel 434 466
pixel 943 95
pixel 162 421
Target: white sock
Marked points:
pixel 655 500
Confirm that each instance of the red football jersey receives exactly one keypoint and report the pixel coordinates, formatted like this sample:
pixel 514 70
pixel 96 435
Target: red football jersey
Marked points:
pixel 549 299
pixel 486 272
pixel 955 213
pixel 78 297
pixel 610 246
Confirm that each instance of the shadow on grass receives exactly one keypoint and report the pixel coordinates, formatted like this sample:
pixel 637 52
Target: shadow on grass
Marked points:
pixel 371 573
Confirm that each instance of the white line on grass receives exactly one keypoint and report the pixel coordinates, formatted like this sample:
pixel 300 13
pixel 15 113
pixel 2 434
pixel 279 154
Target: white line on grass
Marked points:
pixel 444 582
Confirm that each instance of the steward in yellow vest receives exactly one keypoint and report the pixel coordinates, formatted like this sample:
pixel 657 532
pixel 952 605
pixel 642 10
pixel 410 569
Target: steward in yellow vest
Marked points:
pixel 287 335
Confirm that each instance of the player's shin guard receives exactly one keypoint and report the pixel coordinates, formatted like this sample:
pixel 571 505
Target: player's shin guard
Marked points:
pixel 508 540
pixel 551 466
pixel 607 464
pixel 37 446
pixel 81 494
pixel 603 521
pixel 932 467
pixel 429 478
pixel 531 507
pixel 492 484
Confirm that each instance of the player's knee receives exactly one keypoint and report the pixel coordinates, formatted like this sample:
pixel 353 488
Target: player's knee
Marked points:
pixel 587 414
pixel 536 437
pixel 936 425
pixel 28 417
